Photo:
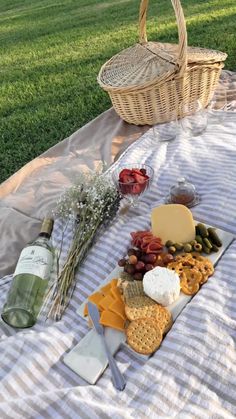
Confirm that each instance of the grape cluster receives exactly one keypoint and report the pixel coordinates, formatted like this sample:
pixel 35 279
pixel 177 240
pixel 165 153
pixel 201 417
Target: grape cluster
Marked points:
pixel 137 262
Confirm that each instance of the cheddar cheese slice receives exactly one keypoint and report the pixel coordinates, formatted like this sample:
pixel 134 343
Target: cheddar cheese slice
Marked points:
pixel 106 289
pixel 118 308
pixel 173 222
pixel 114 282
pixel 106 302
pixel 115 292
pixel 94 298
pixel 110 319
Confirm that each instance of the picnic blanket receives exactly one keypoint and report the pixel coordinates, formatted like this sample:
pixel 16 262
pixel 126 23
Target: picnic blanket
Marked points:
pixel 193 373
pixel 28 195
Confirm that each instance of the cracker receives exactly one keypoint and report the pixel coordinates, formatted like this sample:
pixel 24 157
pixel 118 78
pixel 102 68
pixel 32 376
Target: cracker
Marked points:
pixel 133 289
pixel 140 307
pixel 144 336
pixel 168 326
pixel 145 307
pixel 164 318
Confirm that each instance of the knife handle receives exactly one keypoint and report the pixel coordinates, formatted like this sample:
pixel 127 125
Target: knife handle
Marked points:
pixel 117 378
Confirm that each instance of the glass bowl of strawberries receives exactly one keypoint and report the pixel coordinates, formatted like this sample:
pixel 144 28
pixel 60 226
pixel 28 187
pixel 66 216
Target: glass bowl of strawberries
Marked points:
pixel 133 180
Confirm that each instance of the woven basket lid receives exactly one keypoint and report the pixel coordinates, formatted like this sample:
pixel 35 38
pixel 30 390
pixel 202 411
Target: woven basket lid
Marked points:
pixel 147 63
pixel 140 66
pixel 194 54
pixel 136 66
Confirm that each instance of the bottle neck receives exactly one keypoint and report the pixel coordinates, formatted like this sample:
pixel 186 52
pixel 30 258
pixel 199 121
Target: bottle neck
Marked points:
pixel 44 235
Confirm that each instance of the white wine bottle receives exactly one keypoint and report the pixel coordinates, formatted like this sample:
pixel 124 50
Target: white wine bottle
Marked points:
pixel 30 280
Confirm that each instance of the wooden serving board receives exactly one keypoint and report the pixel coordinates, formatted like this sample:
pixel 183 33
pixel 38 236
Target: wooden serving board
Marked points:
pixel 88 357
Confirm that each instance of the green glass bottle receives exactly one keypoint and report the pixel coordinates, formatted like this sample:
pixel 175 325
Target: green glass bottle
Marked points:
pixel 30 280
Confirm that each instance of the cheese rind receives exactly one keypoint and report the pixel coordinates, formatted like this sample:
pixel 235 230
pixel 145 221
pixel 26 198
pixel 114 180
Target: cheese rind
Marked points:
pixel 173 222
pixel 162 285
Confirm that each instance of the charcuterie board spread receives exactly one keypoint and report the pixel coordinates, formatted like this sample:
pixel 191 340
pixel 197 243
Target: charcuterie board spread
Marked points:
pixel 162 270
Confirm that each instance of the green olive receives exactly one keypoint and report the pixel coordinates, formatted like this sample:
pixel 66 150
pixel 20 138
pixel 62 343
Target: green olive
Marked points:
pixel 197 247
pixel 172 250
pixel 169 243
pixel 188 248
pixel 179 246
pixel 199 239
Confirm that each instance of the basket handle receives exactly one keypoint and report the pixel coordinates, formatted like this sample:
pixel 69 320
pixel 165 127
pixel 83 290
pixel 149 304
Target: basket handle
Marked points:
pixel 182 32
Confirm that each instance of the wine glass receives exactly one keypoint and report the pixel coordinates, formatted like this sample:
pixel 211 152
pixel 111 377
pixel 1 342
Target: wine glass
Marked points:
pixel 135 183
pixel 218 104
pixel 167 131
pixel 194 122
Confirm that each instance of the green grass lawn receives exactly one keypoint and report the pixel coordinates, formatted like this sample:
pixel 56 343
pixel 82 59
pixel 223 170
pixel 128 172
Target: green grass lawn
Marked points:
pixel 51 52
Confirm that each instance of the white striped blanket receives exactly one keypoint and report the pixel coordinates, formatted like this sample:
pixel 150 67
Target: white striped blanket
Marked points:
pixel 193 374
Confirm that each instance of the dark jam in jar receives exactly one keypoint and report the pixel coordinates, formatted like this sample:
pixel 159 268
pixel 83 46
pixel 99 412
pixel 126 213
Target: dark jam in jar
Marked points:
pixel 182 193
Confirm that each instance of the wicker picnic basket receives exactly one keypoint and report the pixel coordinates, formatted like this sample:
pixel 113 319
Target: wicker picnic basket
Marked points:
pixel 153 82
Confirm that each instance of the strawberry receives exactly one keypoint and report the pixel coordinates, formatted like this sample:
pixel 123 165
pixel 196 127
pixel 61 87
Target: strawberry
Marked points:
pixel 127 179
pixel 143 171
pixel 136 189
pixel 137 171
pixel 133 181
pixel 140 178
pixel 123 173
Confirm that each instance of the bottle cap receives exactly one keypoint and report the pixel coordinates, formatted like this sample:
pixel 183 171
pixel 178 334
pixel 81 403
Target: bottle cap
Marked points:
pixel 47 226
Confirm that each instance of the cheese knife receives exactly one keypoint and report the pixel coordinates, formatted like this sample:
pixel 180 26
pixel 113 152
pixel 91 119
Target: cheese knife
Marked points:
pixel 117 378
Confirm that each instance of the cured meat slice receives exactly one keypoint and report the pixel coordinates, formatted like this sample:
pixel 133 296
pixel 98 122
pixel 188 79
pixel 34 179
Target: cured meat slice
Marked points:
pixel 146 241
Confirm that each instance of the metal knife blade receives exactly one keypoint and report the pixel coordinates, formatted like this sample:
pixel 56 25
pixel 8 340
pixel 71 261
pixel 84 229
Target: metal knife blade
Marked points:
pixel 117 378
pixel 95 317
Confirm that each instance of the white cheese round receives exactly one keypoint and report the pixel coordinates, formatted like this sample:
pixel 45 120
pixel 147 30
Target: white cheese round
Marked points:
pixel 162 285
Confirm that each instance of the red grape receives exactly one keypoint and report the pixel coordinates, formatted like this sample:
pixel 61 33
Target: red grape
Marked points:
pixel 139 254
pixel 168 258
pixel 151 258
pixel 140 265
pixel 149 267
pixel 143 257
pixel 130 269
pixel 131 252
pixel 122 262
pixel 133 259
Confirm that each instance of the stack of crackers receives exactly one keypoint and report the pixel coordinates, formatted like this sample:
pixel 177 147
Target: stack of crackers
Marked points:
pixel 193 270
pixel 124 305
pixel 148 320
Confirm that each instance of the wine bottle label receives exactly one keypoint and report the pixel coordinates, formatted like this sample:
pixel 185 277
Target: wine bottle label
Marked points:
pixel 35 260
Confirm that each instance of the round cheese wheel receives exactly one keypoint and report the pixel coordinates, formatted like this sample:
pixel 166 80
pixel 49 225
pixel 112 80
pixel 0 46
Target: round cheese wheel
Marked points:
pixel 162 285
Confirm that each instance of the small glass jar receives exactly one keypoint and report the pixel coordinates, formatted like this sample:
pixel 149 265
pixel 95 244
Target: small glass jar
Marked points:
pixel 183 193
